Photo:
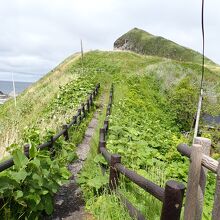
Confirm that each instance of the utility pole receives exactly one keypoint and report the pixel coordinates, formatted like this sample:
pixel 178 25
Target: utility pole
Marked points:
pixel 13 83
pixel 198 115
pixel 202 79
pixel 81 44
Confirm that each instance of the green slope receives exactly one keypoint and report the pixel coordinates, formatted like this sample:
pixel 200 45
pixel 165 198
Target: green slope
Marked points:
pixel 142 42
pixel 32 104
pixel 47 104
pixel 155 100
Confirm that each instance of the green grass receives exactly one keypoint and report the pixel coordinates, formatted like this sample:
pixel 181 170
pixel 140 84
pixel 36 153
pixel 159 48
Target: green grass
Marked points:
pixel 143 42
pixel 46 105
pixel 144 126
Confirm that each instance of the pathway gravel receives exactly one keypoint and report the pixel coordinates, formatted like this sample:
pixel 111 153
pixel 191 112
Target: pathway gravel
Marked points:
pixel 69 203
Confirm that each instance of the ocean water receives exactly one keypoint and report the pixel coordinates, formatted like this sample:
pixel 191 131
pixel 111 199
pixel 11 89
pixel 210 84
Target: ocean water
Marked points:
pixel 6 87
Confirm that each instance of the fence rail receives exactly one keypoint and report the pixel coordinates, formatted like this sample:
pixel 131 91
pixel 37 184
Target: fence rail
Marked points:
pixel 171 196
pixel 77 118
pixel 199 163
pixel 207 161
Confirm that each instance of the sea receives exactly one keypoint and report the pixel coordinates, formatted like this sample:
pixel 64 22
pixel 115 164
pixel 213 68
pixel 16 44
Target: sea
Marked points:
pixel 7 87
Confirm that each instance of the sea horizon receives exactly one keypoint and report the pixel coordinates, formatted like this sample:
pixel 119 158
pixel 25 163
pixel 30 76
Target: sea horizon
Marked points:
pixel 7 87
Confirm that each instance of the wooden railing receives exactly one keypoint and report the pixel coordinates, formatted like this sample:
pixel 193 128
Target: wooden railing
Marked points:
pixel 171 196
pixel 77 119
pixel 200 161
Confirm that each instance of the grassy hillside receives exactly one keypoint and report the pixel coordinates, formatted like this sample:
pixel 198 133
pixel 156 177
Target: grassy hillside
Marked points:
pixel 142 42
pixel 35 106
pixel 155 100
pixel 47 104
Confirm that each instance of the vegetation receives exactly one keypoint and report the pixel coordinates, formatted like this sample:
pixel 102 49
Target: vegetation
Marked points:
pixel 140 41
pixel 155 101
pixel 24 188
pixel 148 116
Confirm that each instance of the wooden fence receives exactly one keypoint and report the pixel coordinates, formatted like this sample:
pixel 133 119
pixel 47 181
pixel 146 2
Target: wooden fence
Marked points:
pixel 77 119
pixel 200 162
pixel 171 196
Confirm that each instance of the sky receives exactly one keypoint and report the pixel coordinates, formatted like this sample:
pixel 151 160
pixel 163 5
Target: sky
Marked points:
pixel 36 35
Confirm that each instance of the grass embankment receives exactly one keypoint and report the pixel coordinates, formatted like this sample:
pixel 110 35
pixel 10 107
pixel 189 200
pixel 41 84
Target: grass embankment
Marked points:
pixel 155 99
pixel 145 128
pixel 31 103
pixel 47 104
pixel 25 188
pixel 142 42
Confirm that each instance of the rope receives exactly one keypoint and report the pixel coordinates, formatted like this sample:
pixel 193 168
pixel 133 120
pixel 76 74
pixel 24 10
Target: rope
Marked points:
pixel 202 78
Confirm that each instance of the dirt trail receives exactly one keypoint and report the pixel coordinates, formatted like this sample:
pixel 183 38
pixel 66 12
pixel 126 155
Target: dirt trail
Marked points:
pixel 69 203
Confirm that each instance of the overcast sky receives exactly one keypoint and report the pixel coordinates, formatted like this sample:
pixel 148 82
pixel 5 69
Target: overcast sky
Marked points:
pixel 36 35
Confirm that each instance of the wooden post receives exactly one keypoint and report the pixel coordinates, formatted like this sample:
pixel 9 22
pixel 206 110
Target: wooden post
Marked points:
pixel 94 94
pixel 96 89
pixel 26 150
pixel 52 150
pixel 88 105
pixel 206 146
pixel 83 110
pixel 193 182
pixel 75 119
pixel 79 111
pixel 114 174
pixel 216 207
pixel 173 200
pixel 65 134
pixel 101 144
pixel 110 99
pixel 91 99
pixel 106 124
pixel 102 134
pixel 108 111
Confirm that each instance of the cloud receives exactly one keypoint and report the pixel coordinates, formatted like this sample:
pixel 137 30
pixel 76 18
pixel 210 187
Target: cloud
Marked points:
pixel 38 34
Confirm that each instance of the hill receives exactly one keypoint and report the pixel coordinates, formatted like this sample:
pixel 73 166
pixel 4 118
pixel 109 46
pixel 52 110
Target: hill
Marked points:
pixel 154 102
pixel 142 42
pixel 174 77
pixel 45 105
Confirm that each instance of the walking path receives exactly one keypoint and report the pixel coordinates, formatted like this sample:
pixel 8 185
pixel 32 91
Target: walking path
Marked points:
pixel 69 203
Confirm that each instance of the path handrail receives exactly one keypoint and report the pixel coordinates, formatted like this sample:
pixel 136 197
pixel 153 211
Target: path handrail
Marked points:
pixel 64 132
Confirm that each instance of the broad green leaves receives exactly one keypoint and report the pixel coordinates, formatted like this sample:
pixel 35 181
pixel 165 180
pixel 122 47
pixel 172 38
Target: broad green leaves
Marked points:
pixel 20 160
pixel 31 184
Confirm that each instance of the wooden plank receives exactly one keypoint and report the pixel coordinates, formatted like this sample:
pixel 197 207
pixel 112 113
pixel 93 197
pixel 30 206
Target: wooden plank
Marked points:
pixel 216 207
pixel 6 164
pixel 105 154
pixel 206 147
pixel 207 161
pixel 145 184
pixel 193 182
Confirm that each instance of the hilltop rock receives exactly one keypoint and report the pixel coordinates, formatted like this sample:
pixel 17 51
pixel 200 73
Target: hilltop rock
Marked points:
pixel 142 42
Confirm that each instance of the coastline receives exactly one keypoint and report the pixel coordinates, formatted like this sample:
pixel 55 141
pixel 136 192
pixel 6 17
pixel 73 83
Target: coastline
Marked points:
pixel 6 89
